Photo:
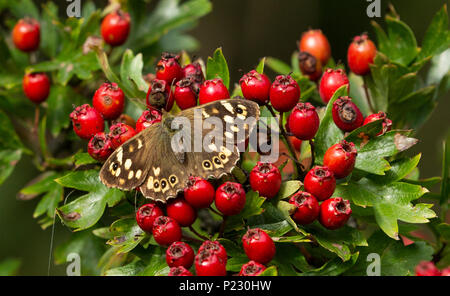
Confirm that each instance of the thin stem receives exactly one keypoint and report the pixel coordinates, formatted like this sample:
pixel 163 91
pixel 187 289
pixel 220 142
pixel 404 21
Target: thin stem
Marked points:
pixel 222 226
pixel 366 91
pixel 313 160
pixel 36 120
pixel 215 212
pixel 188 238
pixel 197 234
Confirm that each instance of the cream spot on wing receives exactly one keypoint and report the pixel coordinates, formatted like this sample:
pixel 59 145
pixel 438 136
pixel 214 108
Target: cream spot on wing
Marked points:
pixel 138 174
pixel 118 172
pixel 228 119
pixel 130 175
pixel 156 171
pixel 214 111
pixel 212 147
pixel 241 116
pixel 234 128
pixel 120 155
pixel 150 183
pixel 139 143
pixel 223 157
pixel 121 181
pixel 206 115
pixel 229 135
pixel 128 163
pixel 225 150
pixel 229 107
pixel 131 148
pixel 244 109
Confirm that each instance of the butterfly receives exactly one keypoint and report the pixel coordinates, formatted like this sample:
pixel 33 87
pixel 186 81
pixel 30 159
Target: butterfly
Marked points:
pixel 161 170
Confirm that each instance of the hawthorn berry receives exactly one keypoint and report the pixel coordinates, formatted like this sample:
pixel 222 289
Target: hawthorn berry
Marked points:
pixel 304 121
pixel 387 123
pixel 306 207
pixel 230 198
pixel 284 93
pixel 179 271
pixel 258 245
pixel 445 272
pixel 255 87
pixel 87 121
pixel 215 248
pixel 166 230
pixel 212 90
pixel 316 43
pixel 36 87
pixel 148 118
pixel 209 264
pixel 346 115
pixel 252 268
pixel 194 71
pixel 334 213
pixel 296 142
pixel 160 95
pixel 99 147
pixel 180 254
pixel 265 178
pixel 181 211
pixel 309 65
pixel 26 34
pixel 185 93
pixel 124 118
pixel 320 182
pixel 331 81
pixel 109 100
pixel 146 215
pixel 361 54
pixel 427 268
pixel 115 28
pixel 120 133
pixel 199 193
pixel 168 68
pixel 340 158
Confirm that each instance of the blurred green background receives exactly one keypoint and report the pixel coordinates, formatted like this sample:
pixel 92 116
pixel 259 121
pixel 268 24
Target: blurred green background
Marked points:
pixel 246 30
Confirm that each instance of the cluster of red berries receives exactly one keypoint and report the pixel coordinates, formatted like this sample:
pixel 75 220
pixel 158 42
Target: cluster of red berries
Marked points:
pixel 427 268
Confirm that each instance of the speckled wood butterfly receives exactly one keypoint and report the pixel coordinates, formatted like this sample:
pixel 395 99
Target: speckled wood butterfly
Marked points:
pixel 149 162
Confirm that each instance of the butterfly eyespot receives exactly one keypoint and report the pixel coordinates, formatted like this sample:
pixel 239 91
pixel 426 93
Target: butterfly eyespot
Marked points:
pixel 207 165
pixel 156 184
pixel 115 166
pixel 173 179
pixel 163 184
pixel 217 160
pixel 222 156
pixel 239 110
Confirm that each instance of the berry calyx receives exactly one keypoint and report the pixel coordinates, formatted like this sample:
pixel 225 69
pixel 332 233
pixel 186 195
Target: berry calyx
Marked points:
pixel 109 100
pixel 146 215
pixel 212 90
pixel 36 87
pixel 166 230
pixel 331 81
pixel 199 193
pixel 99 147
pixel 284 93
pixel 209 264
pixel 306 207
pixel 361 54
pixel 179 271
pixel 265 178
pixel 304 121
pixel 159 95
pixel 185 93
pixel 115 28
pixel 120 133
pixel 230 198
pixel 258 245
pixel 168 68
pixel 182 212
pixel 255 87
pixel 309 65
pixel 334 213
pixel 320 182
pixel 346 115
pixel 427 268
pixel 148 118
pixel 87 121
pixel 180 254
pixel 387 123
pixel 340 158
pixel 252 268
pixel 194 71
pixel 316 43
pixel 215 248
pixel 26 34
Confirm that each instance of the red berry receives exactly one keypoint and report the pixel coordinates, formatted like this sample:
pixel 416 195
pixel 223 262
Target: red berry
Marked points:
pixel 115 28
pixel 159 95
pixel 346 115
pixel 194 71
pixel 168 68
pixel 26 34
pixel 146 215
pixel 284 93
pixel 209 264
pixel 124 118
pixel 252 268
pixel 166 230
pixel 296 142
pixel 185 94
pixel 199 193
pixel 109 100
pixel 265 178
pixel 87 121
pixel 182 212
pixel 331 81
pixel 306 208
pixel 230 198
pixel 212 90
pixel 120 133
pixel 180 254
pixel 215 248
pixel 148 118
pixel 258 245
pixel 334 213
pixel 309 65
pixel 361 54
pixel 179 271
pixel 320 182
pixel 255 87
pixel 446 272
pixel 340 158
pixel 36 87
pixel 99 147
pixel 427 268
pixel 304 121
pixel 316 43
pixel 387 123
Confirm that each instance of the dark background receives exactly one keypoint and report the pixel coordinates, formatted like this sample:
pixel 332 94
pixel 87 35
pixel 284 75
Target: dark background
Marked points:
pixel 246 30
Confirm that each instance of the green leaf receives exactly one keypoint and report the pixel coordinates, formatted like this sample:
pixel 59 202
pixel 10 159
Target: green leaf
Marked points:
pixel 131 74
pixel 399 170
pixel 288 188
pixel 157 264
pixel 445 185
pixel 270 271
pixel 402 42
pixel 333 267
pixel 289 260
pixel 217 67
pixel 252 207
pixel 83 158
pixel 278 66
pixel 8 161
pixel 127 235
pixel 260 67
pixel 9 139
pixel 49 201
pixel 131 269
pixel 9 267
pixel 437 37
